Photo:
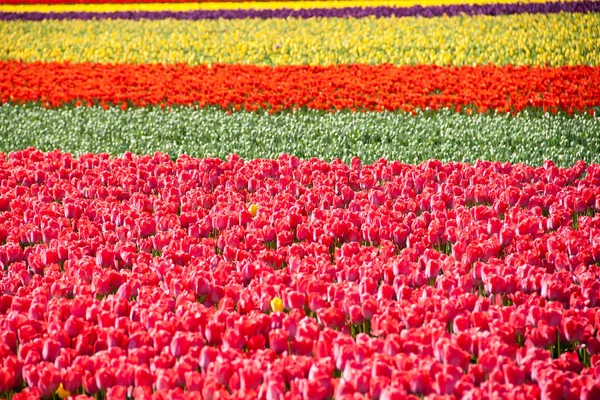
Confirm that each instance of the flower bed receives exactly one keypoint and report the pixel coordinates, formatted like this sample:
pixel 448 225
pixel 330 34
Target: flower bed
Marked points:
pixel 127 275
pixel 356 11
pixel 286 276
pixel 353 87
pixel 530 137
pixel 544 40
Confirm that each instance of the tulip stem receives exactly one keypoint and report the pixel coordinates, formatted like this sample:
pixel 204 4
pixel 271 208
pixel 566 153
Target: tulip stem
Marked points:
pixel 7 395
pixel 584 357
pixel 367 327
pixel 520 340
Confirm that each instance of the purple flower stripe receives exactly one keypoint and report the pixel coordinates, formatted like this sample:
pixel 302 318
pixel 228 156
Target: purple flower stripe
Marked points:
pixel 348 12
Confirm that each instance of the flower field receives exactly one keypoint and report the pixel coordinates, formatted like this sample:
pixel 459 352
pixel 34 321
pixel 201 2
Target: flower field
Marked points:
pixel 386 199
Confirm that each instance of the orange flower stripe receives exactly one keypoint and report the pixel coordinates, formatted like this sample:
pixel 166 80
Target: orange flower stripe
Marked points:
pixel 353 87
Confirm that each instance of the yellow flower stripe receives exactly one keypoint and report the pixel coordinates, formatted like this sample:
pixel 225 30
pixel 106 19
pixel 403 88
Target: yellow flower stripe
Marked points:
pixel 540 39
pixel 241 5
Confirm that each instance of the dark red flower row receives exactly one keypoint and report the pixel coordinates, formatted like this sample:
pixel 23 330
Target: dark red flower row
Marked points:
pixel 354 87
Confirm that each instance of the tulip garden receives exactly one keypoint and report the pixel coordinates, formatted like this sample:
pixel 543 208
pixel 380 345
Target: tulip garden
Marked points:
pixel 326 199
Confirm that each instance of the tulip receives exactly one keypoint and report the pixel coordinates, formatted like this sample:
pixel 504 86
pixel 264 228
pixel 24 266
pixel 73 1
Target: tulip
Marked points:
pixel 356 315
pixel 180 345
pixel 142 392
pixel 295 300
pixel 278 340
pixel 277 305
pixel 49 379
pixel 72 379
pixel 233 339
pixel 105 257
pixel 7 379
pixel 105 378
pixel 143 377
pixel 62 393
pixel 51 350
pixel 369 309
pixel 250 377
pixel 213 331
pixel 207 356
pixel 256 342
pixel 165 379
pixel 513 375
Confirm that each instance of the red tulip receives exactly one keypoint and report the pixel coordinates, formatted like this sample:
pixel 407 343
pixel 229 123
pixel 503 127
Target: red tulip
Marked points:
pixel 250 377
pixel 49 379
pixel 278 340
pixel 51 350
pixel 72 378
pixel 165 379
pixel 143 377
pixel 105 378
pixel 573 329
pixel 207 356
pixel 295 299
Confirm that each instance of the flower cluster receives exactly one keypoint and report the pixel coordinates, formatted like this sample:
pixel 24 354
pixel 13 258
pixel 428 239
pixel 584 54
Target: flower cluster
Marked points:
pixel 353 87
pixel 524 39
pixel 304 279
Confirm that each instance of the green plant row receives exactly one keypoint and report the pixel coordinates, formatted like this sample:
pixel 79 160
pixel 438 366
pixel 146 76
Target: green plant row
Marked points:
pixel 529 137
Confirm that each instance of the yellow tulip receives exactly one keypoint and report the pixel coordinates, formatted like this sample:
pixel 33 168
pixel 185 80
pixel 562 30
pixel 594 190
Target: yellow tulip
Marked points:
pixel 253 210
pixel 62 392
pixel 276 304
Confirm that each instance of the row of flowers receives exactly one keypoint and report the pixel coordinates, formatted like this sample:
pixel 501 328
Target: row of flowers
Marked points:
pixel 524 39
pixel 349 12
pixel 142 1
pixel 530 137
pixel 354 87
pixel 151 4
pixel 297 279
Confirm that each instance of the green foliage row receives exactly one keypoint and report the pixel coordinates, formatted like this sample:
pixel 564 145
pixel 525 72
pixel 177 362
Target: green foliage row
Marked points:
pixel 530 137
